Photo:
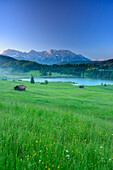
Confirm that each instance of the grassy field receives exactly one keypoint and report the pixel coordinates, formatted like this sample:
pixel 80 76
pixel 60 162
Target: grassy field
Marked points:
pixel 35 73
pixel 56 126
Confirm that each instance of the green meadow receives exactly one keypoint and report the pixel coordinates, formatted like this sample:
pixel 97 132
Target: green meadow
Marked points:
pixel 56 126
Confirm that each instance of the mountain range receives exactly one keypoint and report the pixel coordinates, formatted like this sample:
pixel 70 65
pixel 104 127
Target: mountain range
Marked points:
pixel 44 57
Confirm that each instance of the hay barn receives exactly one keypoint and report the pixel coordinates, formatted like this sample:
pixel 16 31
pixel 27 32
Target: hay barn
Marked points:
pixel 20 88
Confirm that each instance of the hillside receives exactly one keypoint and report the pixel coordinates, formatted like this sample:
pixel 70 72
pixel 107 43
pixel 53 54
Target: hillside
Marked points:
pixel 108 63
pixel 44 57
pixel 17 65
pixel 56 126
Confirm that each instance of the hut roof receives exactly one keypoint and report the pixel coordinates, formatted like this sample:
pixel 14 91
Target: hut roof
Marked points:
pixel 21 86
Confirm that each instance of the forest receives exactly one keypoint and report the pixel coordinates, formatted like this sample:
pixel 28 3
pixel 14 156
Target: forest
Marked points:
pixel 98 70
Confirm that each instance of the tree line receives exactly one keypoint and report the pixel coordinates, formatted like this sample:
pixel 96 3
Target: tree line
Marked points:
pixel 98 70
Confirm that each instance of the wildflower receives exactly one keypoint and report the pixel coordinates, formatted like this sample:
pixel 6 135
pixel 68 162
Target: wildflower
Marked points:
pixel 109 159
pixel 52 165
pixel 20 159
pixel 34 154
pixel 67 156
pixel 45 166
pixel 58 166
pixel 42 162
pixel 39 161
pixel 67 151
pixel 101 146
pixel 36 141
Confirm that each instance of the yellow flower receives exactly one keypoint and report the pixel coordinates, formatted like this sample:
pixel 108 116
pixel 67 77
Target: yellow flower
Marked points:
pixel 45 166
pixel 42 162
pixel 36 141
pixel 20 159
pixel 52 165
pixel 58 166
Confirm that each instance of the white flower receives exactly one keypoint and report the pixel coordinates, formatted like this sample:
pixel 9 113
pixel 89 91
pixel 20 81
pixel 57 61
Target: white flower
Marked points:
pixel 101 146
pixel 67 151
pixel 39 161
pixel 109 159
pixel 67 156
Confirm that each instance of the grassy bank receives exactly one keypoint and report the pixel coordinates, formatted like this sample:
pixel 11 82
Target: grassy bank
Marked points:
pixel 55 126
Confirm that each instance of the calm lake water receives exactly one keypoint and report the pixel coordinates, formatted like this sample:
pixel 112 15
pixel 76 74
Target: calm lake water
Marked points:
pixel 79 81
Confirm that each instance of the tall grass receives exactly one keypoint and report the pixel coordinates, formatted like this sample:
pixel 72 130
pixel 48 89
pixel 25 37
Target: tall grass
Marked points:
pixel 56 126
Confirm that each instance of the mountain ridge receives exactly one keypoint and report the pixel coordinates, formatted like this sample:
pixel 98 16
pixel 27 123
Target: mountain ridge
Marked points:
pixel 52 57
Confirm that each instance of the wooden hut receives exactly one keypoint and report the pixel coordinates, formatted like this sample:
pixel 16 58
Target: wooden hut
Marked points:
pixel 20 88
pixel 81 86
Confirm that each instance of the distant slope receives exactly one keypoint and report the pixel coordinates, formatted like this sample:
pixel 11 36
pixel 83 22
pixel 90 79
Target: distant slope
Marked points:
pixel 44 57
pixel 98 70
pixel 18 65
pixel 75 62
pixel 108 63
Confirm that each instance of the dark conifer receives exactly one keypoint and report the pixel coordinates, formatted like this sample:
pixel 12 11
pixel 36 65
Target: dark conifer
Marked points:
pixel 32 79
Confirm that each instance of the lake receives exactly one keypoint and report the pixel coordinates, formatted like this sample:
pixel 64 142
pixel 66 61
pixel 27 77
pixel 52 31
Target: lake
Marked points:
pixel 79 81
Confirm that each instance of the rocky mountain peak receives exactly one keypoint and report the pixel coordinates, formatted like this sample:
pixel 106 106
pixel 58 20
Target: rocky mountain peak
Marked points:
pixel 52 57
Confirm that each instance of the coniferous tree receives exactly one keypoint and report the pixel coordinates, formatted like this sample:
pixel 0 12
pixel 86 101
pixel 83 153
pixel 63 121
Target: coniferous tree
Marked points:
pixel 32 79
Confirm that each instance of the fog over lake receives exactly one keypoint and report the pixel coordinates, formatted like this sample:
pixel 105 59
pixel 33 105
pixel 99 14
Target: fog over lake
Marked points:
pixel 79 81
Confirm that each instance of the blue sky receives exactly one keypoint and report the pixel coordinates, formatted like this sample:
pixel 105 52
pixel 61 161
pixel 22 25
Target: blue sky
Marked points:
pixel 82 26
